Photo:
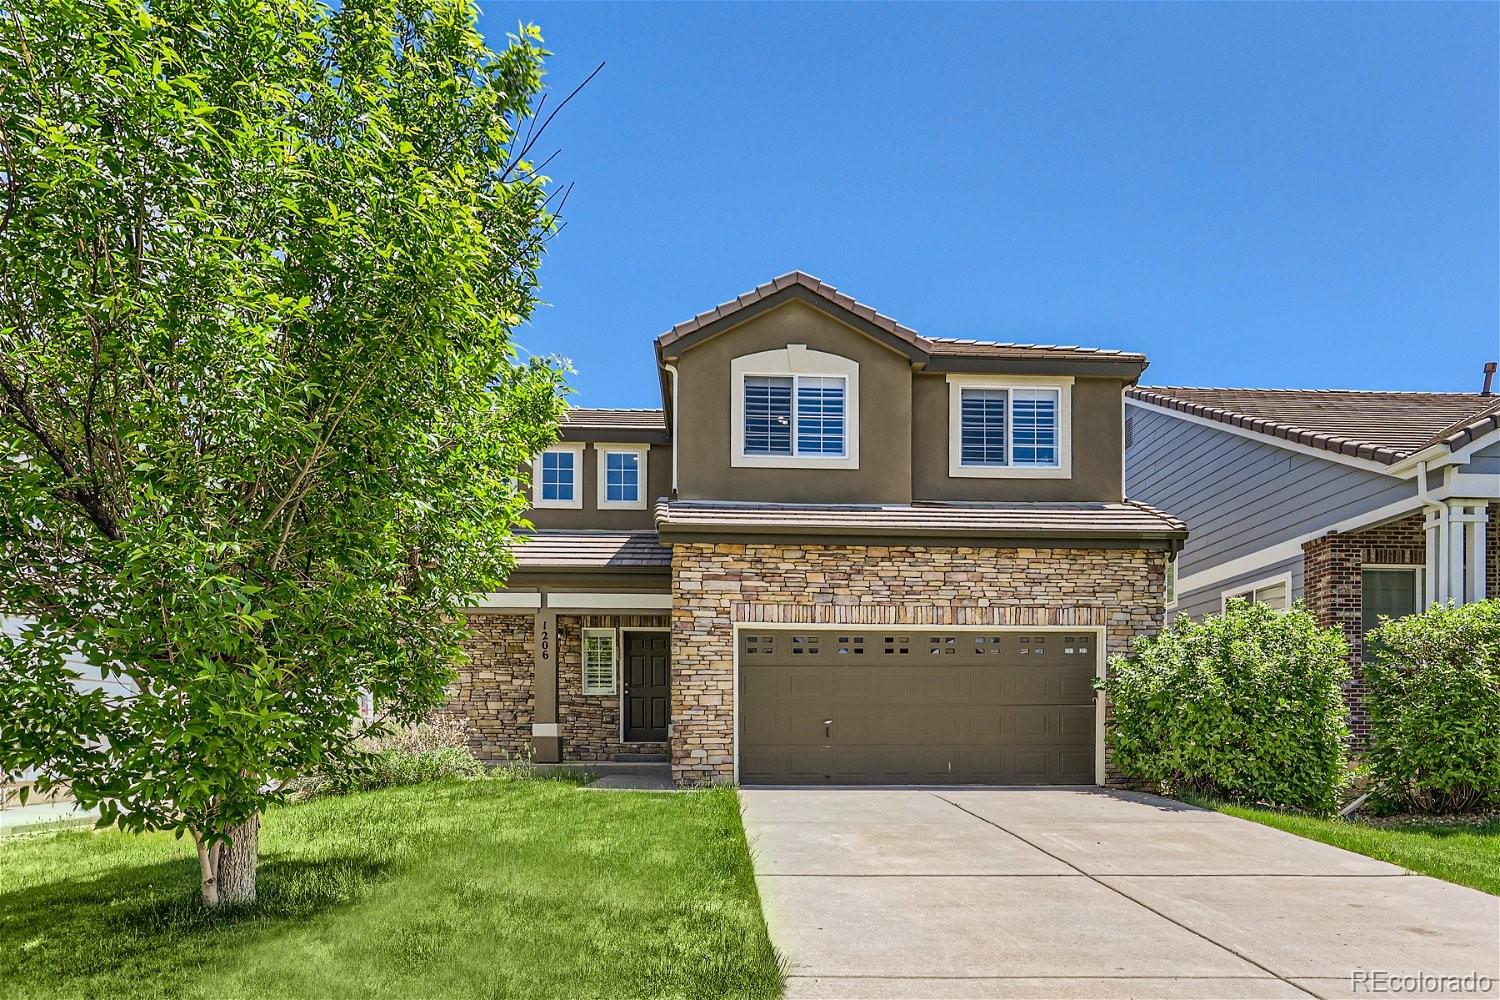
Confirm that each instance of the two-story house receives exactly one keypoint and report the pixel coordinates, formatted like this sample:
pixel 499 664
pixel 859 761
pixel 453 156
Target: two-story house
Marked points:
pixel 841 552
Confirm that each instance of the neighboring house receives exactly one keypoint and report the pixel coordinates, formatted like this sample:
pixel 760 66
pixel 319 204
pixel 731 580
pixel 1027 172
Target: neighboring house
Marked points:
pixel 841 552
pixel 89 679
pixel 1362 504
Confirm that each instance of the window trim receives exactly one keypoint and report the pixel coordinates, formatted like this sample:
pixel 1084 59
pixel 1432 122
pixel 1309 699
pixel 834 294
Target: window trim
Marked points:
pixel 601 480
pixel 1064 387
pixel 792 361
pixel 613 635
pixel 1250 588
pixel 576 449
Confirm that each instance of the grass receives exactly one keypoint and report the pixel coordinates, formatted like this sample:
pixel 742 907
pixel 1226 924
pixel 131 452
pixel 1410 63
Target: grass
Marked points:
pixel 498 887
pixel 1466 853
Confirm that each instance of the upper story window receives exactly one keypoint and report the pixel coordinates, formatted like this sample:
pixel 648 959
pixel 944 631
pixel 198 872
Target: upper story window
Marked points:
pixel 556 477
pixel 622 476
pixel 1009 427
pixel 795 415
pixel 795 408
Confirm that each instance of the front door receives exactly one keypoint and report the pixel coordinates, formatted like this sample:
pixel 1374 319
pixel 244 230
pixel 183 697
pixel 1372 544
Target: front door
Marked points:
pixel 1389 593
pixel 648 698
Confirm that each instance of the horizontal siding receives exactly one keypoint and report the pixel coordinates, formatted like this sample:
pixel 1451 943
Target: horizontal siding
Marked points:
pixel 1240 496
pixel 1486 461
pixel 1210 600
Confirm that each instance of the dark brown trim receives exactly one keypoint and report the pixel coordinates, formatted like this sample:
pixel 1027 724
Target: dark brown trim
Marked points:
pixel 617 435
pixel 647 579
pixel 1128 370
pixel 779 534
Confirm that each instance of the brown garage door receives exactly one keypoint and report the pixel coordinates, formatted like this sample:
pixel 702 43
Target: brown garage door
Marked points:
pixel 909 707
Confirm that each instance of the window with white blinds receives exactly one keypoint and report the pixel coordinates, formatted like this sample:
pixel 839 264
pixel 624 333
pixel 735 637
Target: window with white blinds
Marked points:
pixel 599 648
pixel 795 415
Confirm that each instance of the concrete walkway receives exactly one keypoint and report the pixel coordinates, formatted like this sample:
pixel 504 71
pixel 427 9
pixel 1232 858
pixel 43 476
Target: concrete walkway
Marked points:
pixel 958 894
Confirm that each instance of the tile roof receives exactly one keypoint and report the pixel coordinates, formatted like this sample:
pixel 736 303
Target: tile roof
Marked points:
pixel 592 550
pixel 1070 520
pixel 952 347
pixel 615 417
pixel 937 346
pixel 1383 427
pixel 820 288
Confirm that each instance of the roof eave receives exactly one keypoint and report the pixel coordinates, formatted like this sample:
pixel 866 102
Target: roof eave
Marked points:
pixel 1129 370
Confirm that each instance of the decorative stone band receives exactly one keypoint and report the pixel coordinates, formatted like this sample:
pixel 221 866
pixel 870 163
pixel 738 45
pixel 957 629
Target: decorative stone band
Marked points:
pixel 919 614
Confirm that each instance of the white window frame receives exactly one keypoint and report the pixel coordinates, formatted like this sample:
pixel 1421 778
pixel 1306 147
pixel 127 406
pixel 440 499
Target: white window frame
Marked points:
pixel 792 361
pixel 1064 388
pixel 601 475
pixel 613 635
pixel 1250 589
pixel 576 449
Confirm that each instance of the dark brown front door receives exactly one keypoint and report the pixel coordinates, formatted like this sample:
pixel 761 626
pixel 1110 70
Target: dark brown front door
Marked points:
pixel 917 707
pixel 647 693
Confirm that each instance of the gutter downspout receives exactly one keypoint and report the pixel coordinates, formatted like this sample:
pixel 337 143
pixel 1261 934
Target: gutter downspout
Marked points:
pixel 672 370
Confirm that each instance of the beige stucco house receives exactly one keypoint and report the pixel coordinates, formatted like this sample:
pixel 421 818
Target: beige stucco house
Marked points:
pixel 841 552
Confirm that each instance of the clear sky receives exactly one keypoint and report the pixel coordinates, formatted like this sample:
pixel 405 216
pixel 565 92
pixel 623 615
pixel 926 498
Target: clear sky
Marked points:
pixel 1254 195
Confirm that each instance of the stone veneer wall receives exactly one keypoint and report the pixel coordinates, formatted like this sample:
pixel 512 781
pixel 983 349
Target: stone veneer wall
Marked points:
pixel 1333 583
pixel 493 690
pixel 716 585
pixel 591 722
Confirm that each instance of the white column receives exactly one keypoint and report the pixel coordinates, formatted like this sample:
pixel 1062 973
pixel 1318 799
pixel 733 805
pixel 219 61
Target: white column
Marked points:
pixel 1434 558
pixel 1455 567
pixel 1477 554
pixel 1468 519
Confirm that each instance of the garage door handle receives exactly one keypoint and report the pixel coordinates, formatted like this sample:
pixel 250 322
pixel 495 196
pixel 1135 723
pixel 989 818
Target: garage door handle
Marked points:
pixel 827 728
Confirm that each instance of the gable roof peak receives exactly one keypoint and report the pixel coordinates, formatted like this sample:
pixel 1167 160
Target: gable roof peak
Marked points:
pixel 819 288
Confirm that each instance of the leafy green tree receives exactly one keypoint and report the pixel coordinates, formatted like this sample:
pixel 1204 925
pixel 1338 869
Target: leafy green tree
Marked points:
pixel 260 412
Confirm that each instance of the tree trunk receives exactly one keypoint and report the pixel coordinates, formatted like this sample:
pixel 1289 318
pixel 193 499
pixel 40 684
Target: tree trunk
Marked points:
pixel 228 870
pixel 237 863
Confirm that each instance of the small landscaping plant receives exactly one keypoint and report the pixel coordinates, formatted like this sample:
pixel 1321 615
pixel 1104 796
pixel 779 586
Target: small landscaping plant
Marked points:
pixel 1432 685
pixel 1246 706
pixel 437 750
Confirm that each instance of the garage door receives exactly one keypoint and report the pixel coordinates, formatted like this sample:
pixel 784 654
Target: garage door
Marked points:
pixel 909 707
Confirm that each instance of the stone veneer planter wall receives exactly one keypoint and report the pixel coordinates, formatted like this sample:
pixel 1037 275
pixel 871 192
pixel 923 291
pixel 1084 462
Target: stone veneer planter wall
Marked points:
pixel 493 692
pixel 717 585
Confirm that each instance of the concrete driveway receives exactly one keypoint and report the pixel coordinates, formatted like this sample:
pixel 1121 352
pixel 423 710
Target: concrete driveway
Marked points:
pixel 1011 892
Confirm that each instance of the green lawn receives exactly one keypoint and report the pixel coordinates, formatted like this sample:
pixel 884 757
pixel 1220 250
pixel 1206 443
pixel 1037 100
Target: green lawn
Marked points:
pixel 500 887
pixel 1468 854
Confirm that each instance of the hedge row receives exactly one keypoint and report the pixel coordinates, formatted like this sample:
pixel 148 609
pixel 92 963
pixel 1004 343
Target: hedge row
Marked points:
pixel 1249 706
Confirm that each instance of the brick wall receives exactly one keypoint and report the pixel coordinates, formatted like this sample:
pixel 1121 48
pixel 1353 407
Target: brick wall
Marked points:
pixel 493 689
pixel 591 722
pixel 715 586
pixel 1332 567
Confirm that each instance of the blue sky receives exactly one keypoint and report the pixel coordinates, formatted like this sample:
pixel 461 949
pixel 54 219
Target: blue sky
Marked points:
pixel 1266 195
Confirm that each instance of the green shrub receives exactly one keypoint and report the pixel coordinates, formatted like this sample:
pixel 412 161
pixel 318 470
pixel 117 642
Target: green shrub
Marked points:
pixel 430 751
pixel 1245 706
pixel 1433 693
